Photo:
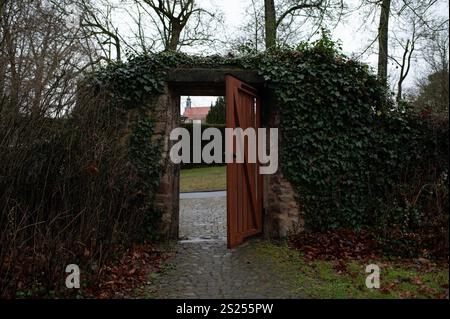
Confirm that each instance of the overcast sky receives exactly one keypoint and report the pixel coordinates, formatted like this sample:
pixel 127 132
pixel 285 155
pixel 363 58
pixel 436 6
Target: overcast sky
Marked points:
pixel 354 33
pixel 235 13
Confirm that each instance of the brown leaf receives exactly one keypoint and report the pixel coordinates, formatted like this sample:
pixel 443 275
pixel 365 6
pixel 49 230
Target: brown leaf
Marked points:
pixel 132 271
pixel 417 281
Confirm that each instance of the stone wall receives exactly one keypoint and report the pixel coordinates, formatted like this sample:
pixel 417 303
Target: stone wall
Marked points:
pixel 282 214
pixel 165 112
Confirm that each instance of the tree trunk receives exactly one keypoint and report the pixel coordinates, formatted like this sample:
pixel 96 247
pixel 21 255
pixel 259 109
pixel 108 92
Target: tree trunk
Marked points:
pixel 400 91
pixel 404 69
pixel 271 24
pixel 2 62
pixel 2 4
pixel 174 39
pixel 383 39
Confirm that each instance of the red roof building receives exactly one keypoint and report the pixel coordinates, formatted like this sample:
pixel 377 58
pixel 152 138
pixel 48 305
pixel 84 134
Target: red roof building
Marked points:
pixel 195 113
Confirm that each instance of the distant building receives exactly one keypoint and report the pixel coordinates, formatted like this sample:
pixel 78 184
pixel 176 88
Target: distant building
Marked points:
pixel 194 113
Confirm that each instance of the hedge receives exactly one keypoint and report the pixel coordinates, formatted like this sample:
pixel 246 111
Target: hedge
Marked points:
pixel 189 127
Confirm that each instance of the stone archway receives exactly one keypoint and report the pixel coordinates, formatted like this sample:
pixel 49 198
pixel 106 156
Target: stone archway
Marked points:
pixel 281 214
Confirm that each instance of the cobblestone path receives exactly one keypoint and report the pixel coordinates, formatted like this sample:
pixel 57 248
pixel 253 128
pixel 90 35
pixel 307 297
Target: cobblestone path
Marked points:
pixel 203 267
pixel 208 269
pixel 204 218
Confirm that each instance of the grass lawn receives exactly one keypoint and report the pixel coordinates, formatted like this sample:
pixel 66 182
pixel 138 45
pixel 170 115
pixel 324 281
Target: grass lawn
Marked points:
pixel 400 279
pixel 203 179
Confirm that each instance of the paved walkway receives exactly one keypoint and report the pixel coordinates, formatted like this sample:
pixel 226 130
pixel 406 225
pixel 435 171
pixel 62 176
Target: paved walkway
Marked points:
pixel 203 216
pixel 202 195
pixel 203 267
pixel 207 270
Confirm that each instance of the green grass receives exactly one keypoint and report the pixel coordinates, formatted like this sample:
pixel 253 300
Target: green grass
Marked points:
pixel 320 279
pixel 203 179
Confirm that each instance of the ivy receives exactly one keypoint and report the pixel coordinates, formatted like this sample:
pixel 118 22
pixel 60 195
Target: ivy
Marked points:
pixel 344 158
pixel 145 156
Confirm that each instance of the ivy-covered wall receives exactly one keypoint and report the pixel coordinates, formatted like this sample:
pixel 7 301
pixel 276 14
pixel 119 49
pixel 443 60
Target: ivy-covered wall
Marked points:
pixel 350 165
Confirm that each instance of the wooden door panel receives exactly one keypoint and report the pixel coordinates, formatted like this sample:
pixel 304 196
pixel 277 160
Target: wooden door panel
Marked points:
pixel 244 183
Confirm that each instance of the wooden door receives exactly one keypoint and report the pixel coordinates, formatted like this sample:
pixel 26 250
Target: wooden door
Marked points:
pixel 244 183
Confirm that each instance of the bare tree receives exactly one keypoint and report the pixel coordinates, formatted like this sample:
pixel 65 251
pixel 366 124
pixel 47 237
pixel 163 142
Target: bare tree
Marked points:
pixel 383 40
pixel 402 27
pixel 251 36
pixel 145 41
pixel 415 22
pixel 289 15
pixel 432 89
pixel 436 50
pixel 2 10
pixel 180 22
pixel 270 23
pixel 96 22
pixel 42 54
pixel 384 9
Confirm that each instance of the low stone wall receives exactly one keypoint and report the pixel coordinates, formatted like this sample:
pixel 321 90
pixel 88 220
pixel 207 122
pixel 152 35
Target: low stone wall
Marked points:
pixel 281 209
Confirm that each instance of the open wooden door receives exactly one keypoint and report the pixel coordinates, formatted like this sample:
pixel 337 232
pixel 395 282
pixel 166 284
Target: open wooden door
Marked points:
pixel 244 183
